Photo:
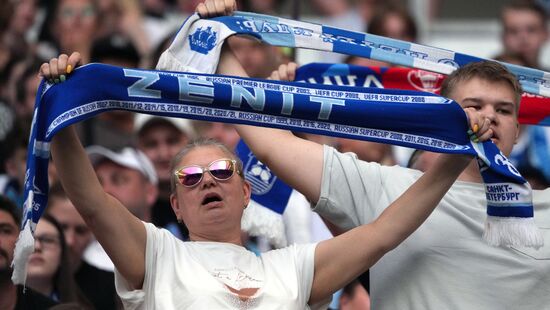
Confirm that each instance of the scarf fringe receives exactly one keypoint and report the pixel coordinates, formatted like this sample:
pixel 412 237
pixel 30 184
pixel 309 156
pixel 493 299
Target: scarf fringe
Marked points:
pixel 260 221
pixel 512 232
pixel 23 249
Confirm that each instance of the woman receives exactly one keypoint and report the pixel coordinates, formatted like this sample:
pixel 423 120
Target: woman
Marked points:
pixel 48 269
pixel 209 194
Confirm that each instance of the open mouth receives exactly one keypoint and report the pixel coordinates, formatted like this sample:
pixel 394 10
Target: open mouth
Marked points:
pixel 211 197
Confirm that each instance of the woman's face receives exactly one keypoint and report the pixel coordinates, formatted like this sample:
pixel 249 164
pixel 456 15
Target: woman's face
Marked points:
pixel 211 209
pixel 77 22
pixel 45 260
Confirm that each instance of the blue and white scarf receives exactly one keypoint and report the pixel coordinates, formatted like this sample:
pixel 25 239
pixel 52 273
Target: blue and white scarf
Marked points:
pixel 205 36
pixel 387 116
pixel 381 115
pixel 263 217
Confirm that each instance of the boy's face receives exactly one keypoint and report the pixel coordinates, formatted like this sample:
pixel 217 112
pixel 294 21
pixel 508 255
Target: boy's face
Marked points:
pixel 495 100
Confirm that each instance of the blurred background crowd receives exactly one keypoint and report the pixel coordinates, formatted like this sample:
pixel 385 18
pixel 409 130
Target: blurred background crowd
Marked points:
pixel 131 153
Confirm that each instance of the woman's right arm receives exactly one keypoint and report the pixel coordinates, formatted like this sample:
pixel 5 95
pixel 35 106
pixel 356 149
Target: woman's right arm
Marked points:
pixel 121 234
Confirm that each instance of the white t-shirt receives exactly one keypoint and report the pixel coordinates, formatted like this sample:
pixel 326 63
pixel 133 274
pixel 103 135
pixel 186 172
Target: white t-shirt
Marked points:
pixel 445 264
pixel 213 275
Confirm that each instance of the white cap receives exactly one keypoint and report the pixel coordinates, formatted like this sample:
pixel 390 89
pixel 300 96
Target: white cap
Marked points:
pixel 128 157
pixel 182 124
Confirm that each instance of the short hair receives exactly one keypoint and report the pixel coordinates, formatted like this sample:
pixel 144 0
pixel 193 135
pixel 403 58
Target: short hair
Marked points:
pixel 202 142
pixel 487 70
pixel 56 193
pixel 526 5
pixel 9 206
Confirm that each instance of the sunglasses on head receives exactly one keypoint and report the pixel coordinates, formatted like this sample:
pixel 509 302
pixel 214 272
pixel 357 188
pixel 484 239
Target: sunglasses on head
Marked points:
pixel 220 169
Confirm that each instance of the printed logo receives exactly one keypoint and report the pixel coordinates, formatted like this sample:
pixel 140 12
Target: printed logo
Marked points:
pixel 258 175
pixel 203 41
pixel 448 61
pixel 425 80
pixel 503 161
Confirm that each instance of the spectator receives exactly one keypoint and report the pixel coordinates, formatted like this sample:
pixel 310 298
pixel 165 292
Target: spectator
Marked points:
pixel 14 161
pixel 114 129
pixel 14 296
pixel 97 285
pixel 258 59
pixel 392 21
pixel 128 176
pixel 16 18
pixel 73 25
pixel 149 260
pixel 160 139
pixel 222 132
pixel 524 30
pixel 48 269
pixel 450 258
pixel 25 86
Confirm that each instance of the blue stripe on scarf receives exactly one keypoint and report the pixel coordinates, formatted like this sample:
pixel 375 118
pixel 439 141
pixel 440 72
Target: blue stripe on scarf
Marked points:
pixel 196 96
pixel 383 49
pixel 523 212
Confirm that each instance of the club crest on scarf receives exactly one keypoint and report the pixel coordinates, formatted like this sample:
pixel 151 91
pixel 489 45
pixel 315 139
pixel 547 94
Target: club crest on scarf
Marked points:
pixel 259 175
pixel 203 41
pixel 267 189
pixel 425 80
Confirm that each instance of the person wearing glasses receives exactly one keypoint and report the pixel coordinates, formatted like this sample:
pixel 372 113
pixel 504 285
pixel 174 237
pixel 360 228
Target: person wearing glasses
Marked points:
pixel 48 269
pixel 155 270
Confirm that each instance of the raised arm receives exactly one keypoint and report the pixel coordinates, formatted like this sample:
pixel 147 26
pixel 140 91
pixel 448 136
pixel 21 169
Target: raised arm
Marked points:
pixel 121 234
pixel 296 161
pixel 341 259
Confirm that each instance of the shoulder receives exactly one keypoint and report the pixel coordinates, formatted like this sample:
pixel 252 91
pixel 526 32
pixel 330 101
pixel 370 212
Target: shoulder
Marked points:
pixel 28 298
pixel 291 252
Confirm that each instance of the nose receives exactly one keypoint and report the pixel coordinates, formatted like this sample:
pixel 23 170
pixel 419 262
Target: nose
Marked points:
pixel 108 187
pixel 164 152
pixel 207 180
pixel 69 237
pixel 37 245
pixel 489 112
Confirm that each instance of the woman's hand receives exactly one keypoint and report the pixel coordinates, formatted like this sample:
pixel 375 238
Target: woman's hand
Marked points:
pixel 57 69
pixel 213 8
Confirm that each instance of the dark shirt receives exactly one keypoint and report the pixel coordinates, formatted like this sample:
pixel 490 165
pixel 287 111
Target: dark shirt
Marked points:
pixel 163 216
pixel 29 299
pixel 97 285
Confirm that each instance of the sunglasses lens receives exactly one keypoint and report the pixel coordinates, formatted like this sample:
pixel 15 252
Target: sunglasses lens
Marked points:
pixel 222 174
pixel 190 176
pixel 222 169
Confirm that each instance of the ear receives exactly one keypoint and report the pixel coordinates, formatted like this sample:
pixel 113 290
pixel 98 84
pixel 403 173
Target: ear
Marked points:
pixel 516 138
pixel 174 204
pixel 247 191
pixel 10 167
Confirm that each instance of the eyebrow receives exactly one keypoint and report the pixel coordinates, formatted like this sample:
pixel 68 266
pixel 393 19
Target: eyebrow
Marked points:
pixel 7 225
pixel 478 100
pixel 506 103
pixel 472 99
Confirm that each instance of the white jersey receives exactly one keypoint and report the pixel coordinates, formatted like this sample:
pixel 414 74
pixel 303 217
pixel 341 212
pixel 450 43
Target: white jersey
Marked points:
pixel 213 275
pixel 445 264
